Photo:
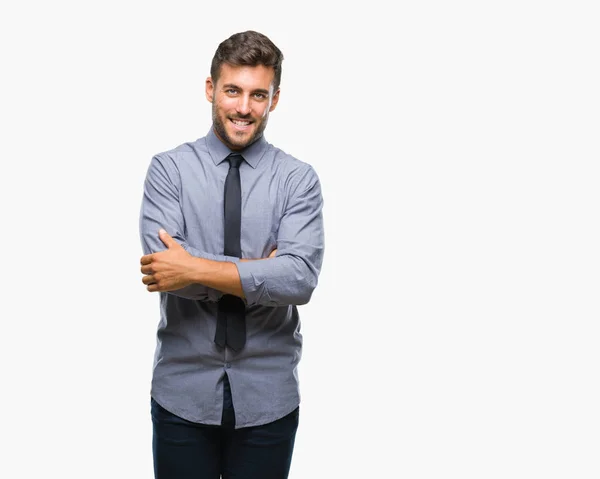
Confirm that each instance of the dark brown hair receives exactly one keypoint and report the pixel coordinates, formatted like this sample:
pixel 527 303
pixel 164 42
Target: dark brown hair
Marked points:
pixel 248 48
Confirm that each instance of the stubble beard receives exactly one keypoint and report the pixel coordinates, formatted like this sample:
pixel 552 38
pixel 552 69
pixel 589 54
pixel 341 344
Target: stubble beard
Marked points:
pixel 221 132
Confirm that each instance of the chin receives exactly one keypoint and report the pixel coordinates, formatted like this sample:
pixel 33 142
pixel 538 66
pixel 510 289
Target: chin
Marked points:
pixel 241 140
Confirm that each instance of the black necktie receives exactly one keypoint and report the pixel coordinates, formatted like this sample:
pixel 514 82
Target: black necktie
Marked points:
pixel 231 318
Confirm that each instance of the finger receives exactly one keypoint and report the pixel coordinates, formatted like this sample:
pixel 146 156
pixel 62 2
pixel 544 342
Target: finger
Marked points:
pixel 166 238
pixel 153 288
pixel 273 253
pixel 147 269
pixel 146 259
pixel 148 279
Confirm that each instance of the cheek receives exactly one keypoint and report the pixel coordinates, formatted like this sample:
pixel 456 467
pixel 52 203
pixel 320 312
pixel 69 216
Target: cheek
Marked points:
pixel 224 104
pixel 262 110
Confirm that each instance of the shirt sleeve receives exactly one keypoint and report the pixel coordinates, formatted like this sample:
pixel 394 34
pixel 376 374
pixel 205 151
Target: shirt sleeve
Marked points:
pixel 161 209
pixel 292 275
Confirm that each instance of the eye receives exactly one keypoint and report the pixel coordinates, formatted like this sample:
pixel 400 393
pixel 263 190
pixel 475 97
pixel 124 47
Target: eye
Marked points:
pixel 231 91
pixel 260 96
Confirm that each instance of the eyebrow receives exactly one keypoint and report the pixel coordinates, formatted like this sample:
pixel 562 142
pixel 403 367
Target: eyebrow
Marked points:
pixel 258 90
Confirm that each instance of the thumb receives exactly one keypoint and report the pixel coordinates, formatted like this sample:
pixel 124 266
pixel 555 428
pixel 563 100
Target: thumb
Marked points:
pixel 166 238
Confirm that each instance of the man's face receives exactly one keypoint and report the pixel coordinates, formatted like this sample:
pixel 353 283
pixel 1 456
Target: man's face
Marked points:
pixel 241 100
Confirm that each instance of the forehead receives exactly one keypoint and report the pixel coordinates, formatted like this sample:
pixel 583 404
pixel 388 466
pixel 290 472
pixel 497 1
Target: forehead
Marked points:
pixel 247 77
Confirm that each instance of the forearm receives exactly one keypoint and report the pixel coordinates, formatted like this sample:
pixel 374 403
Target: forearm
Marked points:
pixel 198 290
pixel 219 275
pixel 281 281
pixel 194 277
pixel 203 254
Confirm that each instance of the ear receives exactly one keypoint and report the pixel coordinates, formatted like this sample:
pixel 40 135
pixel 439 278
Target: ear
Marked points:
pixel 275 100
pixel 210 89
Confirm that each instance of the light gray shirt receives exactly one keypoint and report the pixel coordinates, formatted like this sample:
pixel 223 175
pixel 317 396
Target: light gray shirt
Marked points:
pixel 281 208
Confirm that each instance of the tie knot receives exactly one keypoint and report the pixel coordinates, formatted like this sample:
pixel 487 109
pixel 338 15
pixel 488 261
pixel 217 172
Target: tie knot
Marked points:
pixel 235 159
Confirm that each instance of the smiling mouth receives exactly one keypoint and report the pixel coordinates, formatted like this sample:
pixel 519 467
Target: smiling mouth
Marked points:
pixel 242 124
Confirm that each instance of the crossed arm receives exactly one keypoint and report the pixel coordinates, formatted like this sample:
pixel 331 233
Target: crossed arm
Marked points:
pixel 175 268
pixel 288 276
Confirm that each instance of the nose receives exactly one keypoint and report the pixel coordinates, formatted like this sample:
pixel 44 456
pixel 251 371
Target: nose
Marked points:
pixel 243 106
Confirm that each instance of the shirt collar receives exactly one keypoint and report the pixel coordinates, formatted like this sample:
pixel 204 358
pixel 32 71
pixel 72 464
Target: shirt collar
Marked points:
pixel 218 150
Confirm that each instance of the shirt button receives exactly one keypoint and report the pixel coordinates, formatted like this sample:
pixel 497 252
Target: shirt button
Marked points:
pixel 227 365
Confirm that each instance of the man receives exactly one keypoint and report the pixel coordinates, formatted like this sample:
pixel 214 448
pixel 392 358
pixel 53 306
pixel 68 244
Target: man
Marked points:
pixel 232 233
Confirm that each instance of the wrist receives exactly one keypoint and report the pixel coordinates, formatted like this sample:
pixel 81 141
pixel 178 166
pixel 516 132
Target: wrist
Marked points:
pixel 196 270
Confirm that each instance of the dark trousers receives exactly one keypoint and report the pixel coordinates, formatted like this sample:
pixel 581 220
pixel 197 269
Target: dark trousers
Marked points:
pixel 187 450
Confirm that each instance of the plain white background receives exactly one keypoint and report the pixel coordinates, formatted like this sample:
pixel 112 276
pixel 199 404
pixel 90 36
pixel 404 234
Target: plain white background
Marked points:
pixel 454 332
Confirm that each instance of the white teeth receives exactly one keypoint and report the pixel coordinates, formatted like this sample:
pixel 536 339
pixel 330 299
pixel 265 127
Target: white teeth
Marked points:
pixel 241 123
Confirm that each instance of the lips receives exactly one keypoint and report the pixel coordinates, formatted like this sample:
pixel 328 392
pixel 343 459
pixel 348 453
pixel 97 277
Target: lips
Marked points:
pixel 241 124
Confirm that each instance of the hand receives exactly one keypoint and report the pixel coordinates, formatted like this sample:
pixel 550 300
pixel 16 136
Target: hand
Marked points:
pixel 167 270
